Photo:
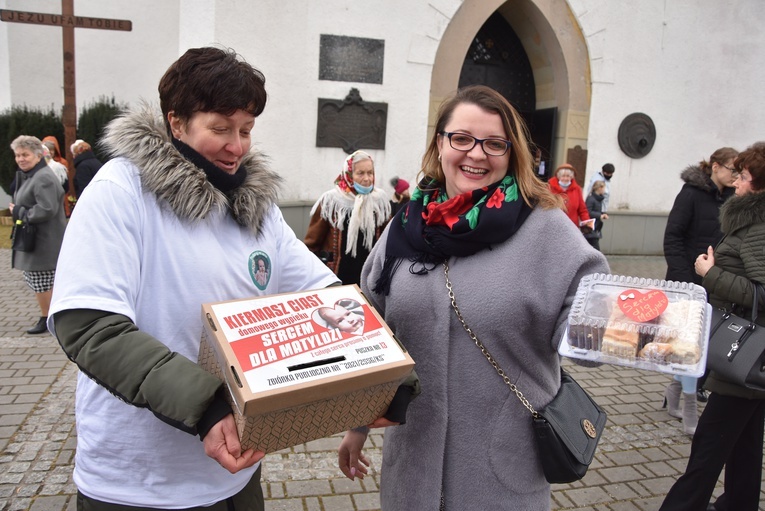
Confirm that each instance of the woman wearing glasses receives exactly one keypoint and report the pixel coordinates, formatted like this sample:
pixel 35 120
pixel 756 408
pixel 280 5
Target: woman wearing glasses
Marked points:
pixel 348 219
pixel 730 430
pixel 468 442
pixel 692 226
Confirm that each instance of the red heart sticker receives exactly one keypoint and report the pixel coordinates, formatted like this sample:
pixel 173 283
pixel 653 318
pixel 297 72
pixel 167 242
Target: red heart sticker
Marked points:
pixel 642 307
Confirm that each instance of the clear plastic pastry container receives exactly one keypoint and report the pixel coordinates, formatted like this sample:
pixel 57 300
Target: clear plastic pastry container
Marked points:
pixel 657 325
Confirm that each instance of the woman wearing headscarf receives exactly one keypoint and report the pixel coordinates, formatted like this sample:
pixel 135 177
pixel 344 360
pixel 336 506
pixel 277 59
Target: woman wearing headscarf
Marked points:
pixel 347 220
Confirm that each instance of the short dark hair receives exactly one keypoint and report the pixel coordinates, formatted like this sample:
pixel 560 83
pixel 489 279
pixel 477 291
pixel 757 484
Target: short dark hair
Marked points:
pixel 211 80
pixel 608 168
pixel 753 160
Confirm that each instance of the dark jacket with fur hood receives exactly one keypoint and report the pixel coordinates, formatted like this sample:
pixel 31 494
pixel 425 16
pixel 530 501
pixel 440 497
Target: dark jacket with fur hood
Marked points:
pixel 141 137
pixel 693 224
pixel 739 259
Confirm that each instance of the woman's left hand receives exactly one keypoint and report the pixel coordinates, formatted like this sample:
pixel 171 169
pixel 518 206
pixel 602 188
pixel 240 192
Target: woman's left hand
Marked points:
pixel 350 459
pixel 704 262
pixel 10 207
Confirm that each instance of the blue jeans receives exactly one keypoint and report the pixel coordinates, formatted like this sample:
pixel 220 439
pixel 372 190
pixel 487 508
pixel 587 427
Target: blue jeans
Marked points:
pixel 688 383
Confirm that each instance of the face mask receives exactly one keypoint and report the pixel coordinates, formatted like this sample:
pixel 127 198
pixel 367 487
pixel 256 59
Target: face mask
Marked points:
pixel 564 185
pixel 608 176
pixel 363 190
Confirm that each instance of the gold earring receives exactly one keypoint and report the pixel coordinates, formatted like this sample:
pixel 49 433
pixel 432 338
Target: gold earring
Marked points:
pixel 439 157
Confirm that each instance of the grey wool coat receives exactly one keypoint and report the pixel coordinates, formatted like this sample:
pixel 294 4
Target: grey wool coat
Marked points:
pixel 468 434
pixel 39 200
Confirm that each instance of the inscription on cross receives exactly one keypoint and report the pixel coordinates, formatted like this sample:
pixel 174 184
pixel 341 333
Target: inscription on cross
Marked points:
pixel 68 22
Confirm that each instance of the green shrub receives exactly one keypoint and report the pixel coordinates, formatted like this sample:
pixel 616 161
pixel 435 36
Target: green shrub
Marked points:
pixel 40 123
pixel 24 121
pixel 94 118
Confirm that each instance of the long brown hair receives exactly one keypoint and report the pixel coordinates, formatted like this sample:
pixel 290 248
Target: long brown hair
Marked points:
pixel 521 163
pixel 719 157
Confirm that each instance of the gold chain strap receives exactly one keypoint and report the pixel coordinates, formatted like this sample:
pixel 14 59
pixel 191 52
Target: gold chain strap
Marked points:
pixel 483 349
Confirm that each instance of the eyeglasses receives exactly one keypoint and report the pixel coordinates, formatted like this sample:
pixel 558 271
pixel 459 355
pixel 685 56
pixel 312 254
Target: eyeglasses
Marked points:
pixel 732 169
pixel 491 146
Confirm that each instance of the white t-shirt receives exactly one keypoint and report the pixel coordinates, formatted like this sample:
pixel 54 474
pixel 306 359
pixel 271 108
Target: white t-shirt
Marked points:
pixel 125 253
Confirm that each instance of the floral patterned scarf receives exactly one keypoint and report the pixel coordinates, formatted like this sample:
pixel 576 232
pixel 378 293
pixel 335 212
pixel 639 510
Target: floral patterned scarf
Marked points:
pixel 432 227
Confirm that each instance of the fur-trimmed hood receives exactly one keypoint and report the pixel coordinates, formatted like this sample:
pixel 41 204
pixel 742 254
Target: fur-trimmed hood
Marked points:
pixel 694 176
pixel 739 212
pixel 141 137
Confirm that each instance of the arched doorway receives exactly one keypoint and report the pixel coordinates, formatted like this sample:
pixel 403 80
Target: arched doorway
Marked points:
pixel 535 55
pixel 497 58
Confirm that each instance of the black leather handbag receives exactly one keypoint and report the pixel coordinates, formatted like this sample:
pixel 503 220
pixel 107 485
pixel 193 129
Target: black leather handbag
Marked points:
pixel 567 430
pixel 24 236
pixel 737 346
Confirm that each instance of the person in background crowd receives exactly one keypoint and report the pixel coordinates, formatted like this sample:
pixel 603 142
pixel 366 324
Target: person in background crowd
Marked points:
pixel 400 195
pixel 51 143
pixel 58 169
pixel 565 185
pixel 594 204
pixel 175 220
pixel 38 200
pixel 730 429
pixel 86 165
pixel 348 219
pixel 468 442
pixel 605 174
pixel 693 225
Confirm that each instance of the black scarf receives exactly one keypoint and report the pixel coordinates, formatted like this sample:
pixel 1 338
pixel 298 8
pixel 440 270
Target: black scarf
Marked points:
pixel 223 181
pixel 432 227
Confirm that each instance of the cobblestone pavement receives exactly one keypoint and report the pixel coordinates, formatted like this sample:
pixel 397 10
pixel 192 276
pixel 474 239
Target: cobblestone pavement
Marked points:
pixel 642 452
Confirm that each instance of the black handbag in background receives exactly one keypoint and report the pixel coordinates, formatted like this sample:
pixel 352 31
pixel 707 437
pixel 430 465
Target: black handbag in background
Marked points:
pixel 737 346
pixel 24 236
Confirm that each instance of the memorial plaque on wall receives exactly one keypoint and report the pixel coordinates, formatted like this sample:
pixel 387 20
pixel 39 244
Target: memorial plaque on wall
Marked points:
pixel 351 123
pixel 351 59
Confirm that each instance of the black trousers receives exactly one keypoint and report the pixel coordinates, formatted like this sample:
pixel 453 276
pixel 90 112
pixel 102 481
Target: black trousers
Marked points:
pixel 730 434
pixel 250 498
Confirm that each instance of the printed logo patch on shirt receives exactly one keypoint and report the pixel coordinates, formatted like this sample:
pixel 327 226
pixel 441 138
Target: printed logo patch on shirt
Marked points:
pixel 260 269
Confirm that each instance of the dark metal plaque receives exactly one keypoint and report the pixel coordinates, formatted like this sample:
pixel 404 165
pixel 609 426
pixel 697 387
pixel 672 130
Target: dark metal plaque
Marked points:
pixel 637 134
pixel 351 59
pixel 351 123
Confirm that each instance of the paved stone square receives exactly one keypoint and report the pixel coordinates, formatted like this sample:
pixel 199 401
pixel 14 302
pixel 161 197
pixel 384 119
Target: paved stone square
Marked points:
pixel 642 452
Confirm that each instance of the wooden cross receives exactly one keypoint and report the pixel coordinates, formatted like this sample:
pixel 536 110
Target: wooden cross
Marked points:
pixel 68 22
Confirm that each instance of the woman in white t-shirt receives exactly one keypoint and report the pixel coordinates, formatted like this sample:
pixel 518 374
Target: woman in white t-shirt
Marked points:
pixel 179 217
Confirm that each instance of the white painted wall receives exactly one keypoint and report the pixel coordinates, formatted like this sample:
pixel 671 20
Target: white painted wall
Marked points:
pixel 689 64
pixel 694 66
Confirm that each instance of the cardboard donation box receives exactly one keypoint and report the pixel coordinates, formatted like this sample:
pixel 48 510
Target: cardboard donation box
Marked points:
pixel 302 366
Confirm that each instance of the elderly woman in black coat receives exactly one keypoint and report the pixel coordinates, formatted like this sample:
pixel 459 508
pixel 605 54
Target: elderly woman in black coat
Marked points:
pixel 38 200
pixel 85 164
